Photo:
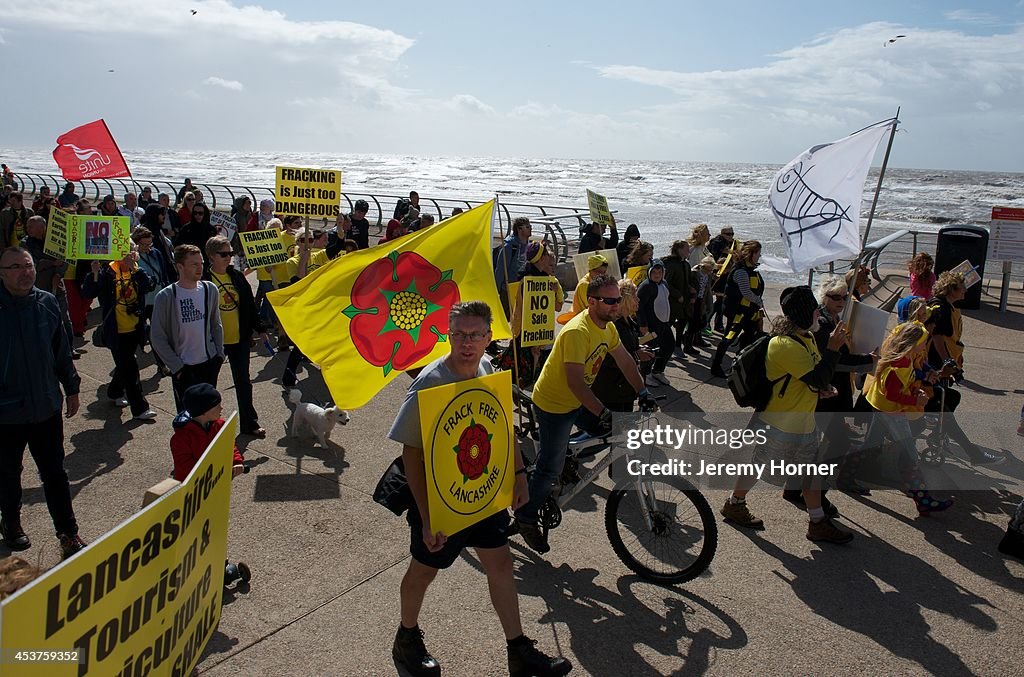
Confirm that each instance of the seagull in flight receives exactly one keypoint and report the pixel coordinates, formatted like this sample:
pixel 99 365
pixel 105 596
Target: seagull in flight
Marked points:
pixel 892 40
pixel 194 12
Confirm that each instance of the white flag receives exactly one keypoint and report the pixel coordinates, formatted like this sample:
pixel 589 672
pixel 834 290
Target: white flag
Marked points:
pixel 816 198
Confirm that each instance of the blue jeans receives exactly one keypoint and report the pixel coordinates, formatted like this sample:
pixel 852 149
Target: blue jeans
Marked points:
pixel 266 310
pixel 898 428
pixel 554 432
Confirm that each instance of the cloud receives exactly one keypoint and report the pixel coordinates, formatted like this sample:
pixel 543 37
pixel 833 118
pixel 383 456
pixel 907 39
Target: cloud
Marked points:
pixel 971 16
pixel 467 103
pixel 233 85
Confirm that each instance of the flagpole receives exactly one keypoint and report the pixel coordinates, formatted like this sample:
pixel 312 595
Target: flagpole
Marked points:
pixel 881 175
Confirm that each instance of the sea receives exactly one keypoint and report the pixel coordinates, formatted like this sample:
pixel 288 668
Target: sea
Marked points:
pixel 665 199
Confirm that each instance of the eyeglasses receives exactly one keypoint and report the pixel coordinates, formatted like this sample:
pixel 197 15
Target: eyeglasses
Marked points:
pixel 19 266
pixel 462 336
pixel 223 254
pixel 838 297
pixel 608 300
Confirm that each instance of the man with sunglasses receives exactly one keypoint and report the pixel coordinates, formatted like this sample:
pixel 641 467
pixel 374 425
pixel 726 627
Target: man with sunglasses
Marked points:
pixel 563 392
pixel 239 319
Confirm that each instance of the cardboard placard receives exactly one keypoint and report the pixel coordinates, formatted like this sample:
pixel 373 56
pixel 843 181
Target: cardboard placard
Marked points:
pixel 302 191
pixel 56 244
pixel 539 310
pixel 263 248
pixel 100 238
pixel 598 204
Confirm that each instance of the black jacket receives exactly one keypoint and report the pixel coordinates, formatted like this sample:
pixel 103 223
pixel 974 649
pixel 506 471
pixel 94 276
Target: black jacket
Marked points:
pixel 105 289
pixel 249 321
pixel 35 358
pixel 848 362
pixel 595 243
pixel 610 386
pixel 678 277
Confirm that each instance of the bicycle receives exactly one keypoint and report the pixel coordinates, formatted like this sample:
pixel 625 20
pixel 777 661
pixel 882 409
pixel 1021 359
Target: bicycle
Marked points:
pixel 937 442
pixel 673 530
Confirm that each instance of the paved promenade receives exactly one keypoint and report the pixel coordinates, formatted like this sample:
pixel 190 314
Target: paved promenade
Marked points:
pixel 909 596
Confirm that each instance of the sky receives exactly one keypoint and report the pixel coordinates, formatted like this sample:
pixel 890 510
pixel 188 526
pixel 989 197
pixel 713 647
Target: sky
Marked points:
pixel 678 80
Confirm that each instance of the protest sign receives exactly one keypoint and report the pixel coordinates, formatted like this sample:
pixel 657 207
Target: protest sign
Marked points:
pixel 539 310
pixel 307 192
pixel 598 208
pixel 468 450
pixel 970 274
pixel 263 248
pixel 56 244
pixel 637 274
pixel 101 238
pixel 579 262
pixel 867 327
pixel 143 599
pixel 224 224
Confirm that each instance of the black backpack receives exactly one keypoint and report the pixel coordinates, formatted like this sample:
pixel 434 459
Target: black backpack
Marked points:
pixel 748 378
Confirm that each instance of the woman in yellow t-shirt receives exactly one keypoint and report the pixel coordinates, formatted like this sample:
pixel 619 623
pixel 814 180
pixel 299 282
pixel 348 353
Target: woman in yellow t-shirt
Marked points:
pixel 892 393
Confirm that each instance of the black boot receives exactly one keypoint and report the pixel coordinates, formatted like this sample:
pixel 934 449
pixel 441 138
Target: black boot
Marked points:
pixel 410 652
pixel 14 536
pixel 526 660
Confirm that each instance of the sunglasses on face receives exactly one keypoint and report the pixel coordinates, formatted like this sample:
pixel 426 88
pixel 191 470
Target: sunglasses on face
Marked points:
pixel 223 254
pixel 608 300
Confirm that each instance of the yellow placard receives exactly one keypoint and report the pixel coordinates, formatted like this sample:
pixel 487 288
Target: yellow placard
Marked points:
pixel 263 248
pixel 637 274
pixel 539 310
pixel 100 238
pixel 301 191
pixel 469 447
pixel 56 244
pixel 598 204
pixel 143 599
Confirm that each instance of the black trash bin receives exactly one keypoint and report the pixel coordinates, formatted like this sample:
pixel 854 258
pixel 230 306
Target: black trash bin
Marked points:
pixel 957 244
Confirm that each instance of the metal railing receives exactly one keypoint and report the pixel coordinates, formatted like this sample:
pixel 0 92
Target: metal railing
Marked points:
pixel 554 219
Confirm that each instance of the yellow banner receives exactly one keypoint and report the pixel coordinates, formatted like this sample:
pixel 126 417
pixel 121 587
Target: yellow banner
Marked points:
pixel 100 238
pixel 57 235
pixel 468 454
pixel 143 599
pixel 539 310
pixel 302 191
pixel 598 204
pixel 263 248
pixel 375 312
pixel 637 274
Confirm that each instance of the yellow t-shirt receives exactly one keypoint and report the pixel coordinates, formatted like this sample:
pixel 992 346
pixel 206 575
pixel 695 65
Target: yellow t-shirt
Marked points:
pixel 579 299
pixel 580 342
pixel 797 355
pixel 228 307
pixel 317 258
pixel 125 299
pixel 280 271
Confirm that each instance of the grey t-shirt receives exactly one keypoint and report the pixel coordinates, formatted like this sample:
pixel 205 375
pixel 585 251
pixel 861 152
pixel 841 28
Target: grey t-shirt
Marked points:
pixel 406 428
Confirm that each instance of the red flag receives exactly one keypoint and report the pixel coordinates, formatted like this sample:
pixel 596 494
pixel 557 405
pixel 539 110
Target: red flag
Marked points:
pixel 89 152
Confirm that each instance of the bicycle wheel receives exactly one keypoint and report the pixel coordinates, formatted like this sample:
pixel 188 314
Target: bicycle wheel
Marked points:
pixel 683 536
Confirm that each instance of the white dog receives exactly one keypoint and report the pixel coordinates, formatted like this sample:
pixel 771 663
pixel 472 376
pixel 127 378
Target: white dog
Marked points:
pixel 318 419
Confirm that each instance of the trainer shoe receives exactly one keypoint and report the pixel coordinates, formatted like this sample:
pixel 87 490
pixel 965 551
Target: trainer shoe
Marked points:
pixel 526 660
pixel 533 536
pixel 410 652
pixel 69 545
pixel 661 378
pixel 147 415
pixel 14 536
pixel 826 531
pixel 121 402
pixel 982 457
pixel 740 515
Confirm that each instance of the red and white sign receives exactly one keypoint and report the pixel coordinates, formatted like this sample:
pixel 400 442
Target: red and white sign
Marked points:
pixel 89 152
pixel 1006 234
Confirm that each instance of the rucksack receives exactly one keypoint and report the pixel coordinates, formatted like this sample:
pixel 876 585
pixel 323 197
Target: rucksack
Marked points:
pixel 748 378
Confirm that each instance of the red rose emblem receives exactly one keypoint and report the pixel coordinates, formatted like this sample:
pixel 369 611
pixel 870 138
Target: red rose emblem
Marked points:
pixel 473 452
pixel 399 310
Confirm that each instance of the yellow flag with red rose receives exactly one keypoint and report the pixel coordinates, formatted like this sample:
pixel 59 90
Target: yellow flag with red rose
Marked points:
pixel 374 313
pixel 468 450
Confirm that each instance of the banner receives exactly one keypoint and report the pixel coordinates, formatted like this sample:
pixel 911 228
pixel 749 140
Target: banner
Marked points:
pixel 816 198
pixel 224 224
pixel 468 450
pixel 637 275
pixel 56 244
pixel 89 152
pixel 539 310
pixel 143 599
pixel 307 192
pixel 101 238
pixel 263 248
pixel 373 313
pixel 598 204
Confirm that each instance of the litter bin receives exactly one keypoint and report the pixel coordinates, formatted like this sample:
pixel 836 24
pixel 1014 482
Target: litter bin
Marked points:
pixel 957 244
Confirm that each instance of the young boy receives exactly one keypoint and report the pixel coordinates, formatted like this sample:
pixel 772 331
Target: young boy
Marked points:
pixel 195 428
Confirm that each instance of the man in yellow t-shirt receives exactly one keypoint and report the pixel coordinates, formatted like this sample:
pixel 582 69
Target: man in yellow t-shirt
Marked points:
pixel 563 391
pixel 799 375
